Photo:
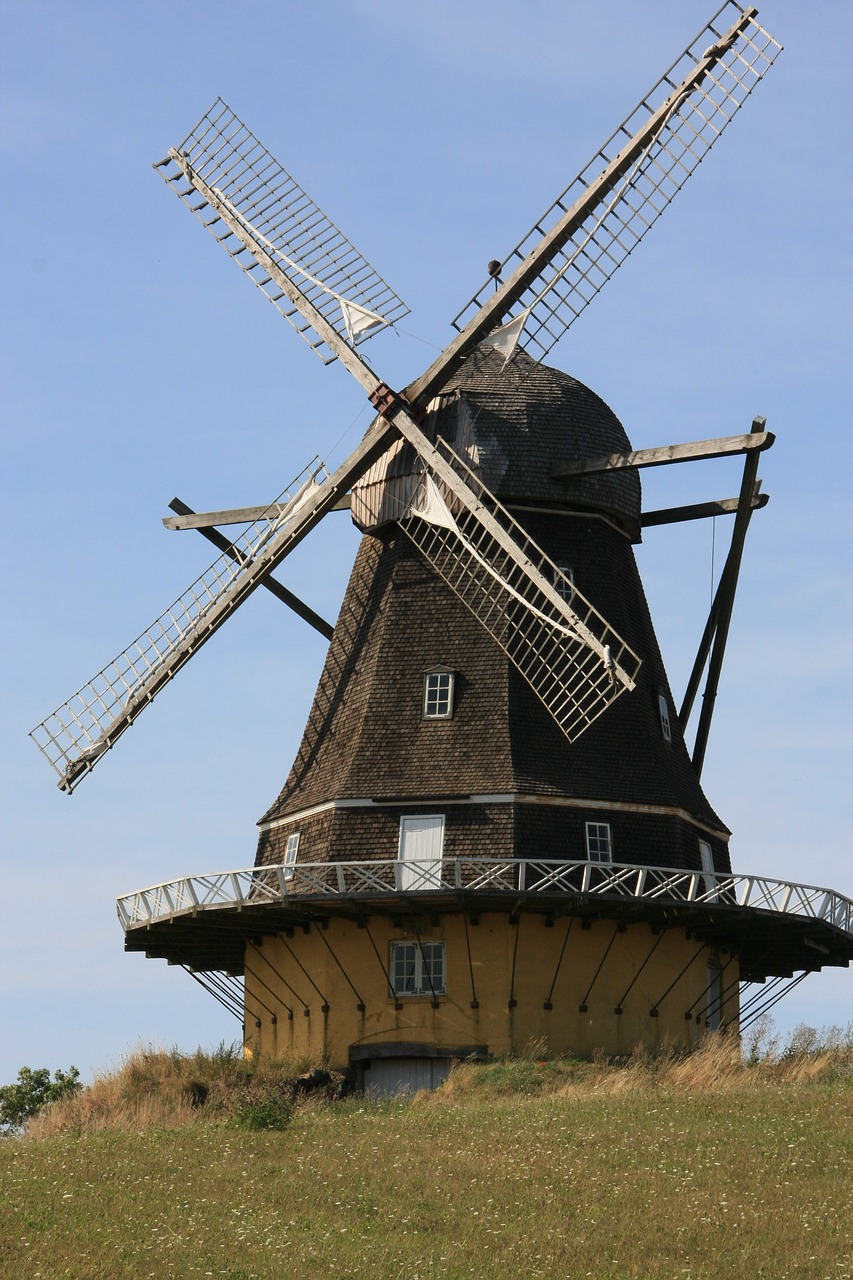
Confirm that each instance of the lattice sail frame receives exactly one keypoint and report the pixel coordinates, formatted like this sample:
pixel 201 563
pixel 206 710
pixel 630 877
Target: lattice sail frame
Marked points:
pixel 77 734
pixel 641 182
pixel 571 657
pixel 309 248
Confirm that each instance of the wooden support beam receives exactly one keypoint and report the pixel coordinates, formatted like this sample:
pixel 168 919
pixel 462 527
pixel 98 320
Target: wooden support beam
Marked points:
pixel 725 600
pixel 701 655
pixel 247 515
pixel 272 584
pixel 235 515
pixel 699 510
pixel 708 634
pixel 661 455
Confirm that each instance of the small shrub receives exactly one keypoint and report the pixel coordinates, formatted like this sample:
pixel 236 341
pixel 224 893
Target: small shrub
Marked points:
pixel 266 1106
pixel 761 1041
pixel 806 1041
pixel 197 1092
pixel 225 1054
pixel 33 1092
pixel 512 1076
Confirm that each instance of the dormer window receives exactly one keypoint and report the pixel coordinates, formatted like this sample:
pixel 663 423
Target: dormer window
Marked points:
pixel 665 725
pixel 438 694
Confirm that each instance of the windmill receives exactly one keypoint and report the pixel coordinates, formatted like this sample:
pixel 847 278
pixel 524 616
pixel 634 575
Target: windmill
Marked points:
pixel 494 659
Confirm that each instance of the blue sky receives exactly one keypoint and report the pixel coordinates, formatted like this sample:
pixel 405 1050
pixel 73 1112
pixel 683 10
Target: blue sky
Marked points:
pixel 139 365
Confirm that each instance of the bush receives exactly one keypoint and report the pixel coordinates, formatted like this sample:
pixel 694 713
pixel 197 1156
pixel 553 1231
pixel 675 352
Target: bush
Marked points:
pixel 158 1088
pixel 266 1106
pixel 33 1092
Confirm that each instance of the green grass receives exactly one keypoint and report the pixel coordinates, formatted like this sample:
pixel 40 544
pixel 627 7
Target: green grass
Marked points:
pixel 661 1166
pixel 645 1178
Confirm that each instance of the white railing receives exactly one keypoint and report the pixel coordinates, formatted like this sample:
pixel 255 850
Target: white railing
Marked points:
pixel 260 886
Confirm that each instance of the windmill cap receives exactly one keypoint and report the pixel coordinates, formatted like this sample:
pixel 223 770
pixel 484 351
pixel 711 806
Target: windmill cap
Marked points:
pixel 515 423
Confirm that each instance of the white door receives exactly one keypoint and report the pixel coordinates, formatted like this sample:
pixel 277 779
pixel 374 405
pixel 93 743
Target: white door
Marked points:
pixel 421 850
pixel 706 853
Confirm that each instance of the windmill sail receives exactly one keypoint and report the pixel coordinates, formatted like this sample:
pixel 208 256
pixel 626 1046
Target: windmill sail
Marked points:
pixel 557 268
pixel 570 656
pixel 259 214
pixel 75 736
pixel 334 298
pixel 575 664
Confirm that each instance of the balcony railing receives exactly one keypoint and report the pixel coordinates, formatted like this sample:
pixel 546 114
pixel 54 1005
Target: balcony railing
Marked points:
pixel 278 885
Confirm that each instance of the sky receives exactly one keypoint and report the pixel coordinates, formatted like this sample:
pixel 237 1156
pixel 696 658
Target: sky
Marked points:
pixel 138 364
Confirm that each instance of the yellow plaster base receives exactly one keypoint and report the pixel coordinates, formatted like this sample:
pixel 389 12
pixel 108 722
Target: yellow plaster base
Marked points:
pixel 303 992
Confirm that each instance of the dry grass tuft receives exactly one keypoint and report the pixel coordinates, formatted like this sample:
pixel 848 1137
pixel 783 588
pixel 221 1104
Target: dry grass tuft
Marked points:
pixel 159 1088
pixel 719 1064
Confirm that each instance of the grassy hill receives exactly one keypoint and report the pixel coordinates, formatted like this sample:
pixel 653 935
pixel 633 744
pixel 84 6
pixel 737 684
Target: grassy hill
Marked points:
pixel 672 1167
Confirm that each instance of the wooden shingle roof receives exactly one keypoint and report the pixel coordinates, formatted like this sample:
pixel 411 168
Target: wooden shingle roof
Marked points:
pixel 513 422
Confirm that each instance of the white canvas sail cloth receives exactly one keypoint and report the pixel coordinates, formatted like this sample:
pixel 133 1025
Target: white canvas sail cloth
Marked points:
pixel 432 508
pixel 279 516
pixel 357 319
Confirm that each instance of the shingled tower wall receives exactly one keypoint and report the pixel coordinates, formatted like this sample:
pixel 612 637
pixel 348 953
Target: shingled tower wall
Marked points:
pixel 408 978
pixel 507 780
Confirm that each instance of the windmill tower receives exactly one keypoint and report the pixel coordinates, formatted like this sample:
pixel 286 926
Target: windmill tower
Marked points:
pixel 493 831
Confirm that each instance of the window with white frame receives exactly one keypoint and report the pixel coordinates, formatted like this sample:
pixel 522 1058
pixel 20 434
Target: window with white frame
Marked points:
pixel 564 581
pixel 665 726
pixel 418 968
pixel 438 694
pixel 599 842
pixel 290 852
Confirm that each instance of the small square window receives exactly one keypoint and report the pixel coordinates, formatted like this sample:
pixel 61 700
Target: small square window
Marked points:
pixel 418 968
pixel 599 844
pixel 564 582
pixel 665 726
pixel 438 694
pixel 290 852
